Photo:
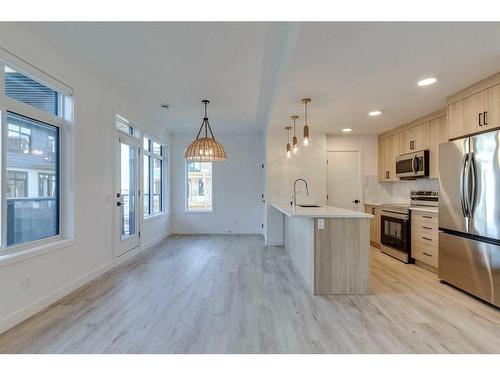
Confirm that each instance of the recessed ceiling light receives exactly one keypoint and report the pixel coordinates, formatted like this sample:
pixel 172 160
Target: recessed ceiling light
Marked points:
pixel 427 81
pixel 165 106
pixel 347 130
pixel 374 113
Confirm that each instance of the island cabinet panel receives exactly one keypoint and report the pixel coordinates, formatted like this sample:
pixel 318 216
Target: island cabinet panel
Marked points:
pixel 299 244
pixel 341 256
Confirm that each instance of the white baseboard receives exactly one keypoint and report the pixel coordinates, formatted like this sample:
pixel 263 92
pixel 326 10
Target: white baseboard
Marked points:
pixel 181 232
pixel 35 307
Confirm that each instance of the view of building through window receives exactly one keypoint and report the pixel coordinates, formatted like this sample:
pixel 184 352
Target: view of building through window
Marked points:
pixel 199 186
pixel 32 183
pixel 24 89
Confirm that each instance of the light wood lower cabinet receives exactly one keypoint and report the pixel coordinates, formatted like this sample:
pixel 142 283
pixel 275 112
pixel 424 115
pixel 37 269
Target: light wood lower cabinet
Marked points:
pixel 374 224
pixel 424 239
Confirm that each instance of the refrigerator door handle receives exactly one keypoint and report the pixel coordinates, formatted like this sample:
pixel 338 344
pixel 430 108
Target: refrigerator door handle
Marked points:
pixel 473 182
pixel 463 185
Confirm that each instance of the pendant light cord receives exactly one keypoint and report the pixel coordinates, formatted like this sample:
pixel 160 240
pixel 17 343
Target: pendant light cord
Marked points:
pixel 306 113
pixel 205 123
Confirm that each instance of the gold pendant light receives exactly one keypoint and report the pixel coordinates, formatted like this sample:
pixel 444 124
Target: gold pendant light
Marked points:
pixel 206 148
pixel 288 153
pixel 295 147
pixel 306 127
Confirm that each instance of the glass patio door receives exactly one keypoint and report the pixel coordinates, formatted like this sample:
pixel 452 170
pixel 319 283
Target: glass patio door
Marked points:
pixel 127 195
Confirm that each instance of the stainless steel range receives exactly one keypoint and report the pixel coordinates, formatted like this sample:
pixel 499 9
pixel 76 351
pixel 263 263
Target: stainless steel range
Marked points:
pixel 395 231
pixel 395 224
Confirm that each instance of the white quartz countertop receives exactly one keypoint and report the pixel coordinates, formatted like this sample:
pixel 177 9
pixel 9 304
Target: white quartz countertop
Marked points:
pixel 323 211
pixel 425 209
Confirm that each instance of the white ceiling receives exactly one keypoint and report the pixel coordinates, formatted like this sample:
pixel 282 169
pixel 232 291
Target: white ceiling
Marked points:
pixel 349 69
pixel 255 73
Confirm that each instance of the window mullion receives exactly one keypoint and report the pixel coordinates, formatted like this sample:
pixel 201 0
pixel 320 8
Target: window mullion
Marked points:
pixel 151 187
pixel 3 178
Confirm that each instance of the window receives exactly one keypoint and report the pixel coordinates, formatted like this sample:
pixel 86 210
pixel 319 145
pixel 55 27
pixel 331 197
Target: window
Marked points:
pixel 17 184
pixel 123 125
pixel 154 155
pixel 199 192
pixel 24 89
pixel 46 184
pixel 34 107
pixel 32 211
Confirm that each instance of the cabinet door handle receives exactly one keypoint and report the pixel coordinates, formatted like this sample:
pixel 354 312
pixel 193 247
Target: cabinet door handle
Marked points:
pixel 427 217
pixel 427 238
pixel 480 114
pixel 429 255
pixel 427 228
pixel 485 122
pixel 387 174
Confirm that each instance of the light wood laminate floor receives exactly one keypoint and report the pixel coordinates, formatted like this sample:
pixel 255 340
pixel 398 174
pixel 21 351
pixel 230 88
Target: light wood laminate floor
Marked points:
pixel 230 294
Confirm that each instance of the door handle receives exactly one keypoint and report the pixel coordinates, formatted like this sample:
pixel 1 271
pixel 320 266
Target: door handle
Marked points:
pixel 118 204
pixel 472 179
pixel 485 122
pixel 356 201
pixel 462 186
pixel 480 114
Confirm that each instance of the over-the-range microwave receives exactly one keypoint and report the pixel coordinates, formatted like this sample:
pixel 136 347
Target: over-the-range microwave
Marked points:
pixel 409 166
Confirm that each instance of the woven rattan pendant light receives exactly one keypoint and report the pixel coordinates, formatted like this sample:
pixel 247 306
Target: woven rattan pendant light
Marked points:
pixel 206 148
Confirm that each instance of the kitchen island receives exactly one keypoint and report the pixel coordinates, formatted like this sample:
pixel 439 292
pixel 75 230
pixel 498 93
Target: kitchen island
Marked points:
pixel 329 247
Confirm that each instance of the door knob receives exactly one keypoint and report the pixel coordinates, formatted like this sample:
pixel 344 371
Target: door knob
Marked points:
pixel 356 201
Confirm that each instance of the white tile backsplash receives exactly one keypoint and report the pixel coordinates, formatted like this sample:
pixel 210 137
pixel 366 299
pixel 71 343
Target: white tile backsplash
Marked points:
pixel 394 192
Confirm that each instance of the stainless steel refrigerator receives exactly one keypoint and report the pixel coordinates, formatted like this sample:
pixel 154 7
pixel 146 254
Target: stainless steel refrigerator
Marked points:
pixel 469 215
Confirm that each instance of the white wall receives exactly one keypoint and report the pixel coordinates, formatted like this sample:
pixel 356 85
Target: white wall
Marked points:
pixel 237 185
pixel 28 285
pixel 309 163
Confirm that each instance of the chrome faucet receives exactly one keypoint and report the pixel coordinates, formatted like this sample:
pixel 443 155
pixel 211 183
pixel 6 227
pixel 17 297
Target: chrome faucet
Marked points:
pixel 294 197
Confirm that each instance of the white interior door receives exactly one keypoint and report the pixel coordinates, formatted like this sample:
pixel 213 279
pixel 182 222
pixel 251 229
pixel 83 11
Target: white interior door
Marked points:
pixel 344 179
pixel 127 194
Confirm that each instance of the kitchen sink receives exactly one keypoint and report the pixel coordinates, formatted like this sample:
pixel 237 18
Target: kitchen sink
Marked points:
pixel 308 205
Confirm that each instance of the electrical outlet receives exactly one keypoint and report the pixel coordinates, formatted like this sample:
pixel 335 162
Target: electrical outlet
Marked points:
pixel 26 283
pixel 321 223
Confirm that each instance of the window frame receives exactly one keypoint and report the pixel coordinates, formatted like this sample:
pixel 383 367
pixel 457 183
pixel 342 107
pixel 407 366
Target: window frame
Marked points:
pixel 186 191
pixel 164 160
pixel 64 122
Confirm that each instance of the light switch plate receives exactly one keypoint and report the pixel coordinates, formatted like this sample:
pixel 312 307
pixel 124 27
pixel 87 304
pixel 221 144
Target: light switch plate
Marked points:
pixel 321 223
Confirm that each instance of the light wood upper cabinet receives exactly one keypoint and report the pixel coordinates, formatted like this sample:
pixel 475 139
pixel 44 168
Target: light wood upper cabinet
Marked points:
pixel 388 150
pixel 492 119
pixel 476 113
pixel 425 133
pixel 415 138
pixel 438 134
